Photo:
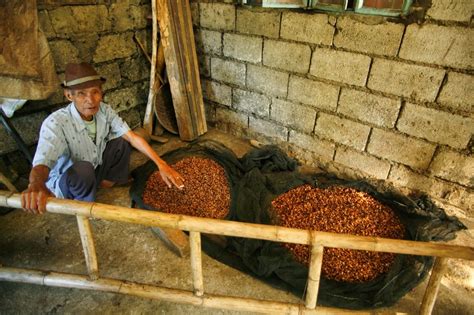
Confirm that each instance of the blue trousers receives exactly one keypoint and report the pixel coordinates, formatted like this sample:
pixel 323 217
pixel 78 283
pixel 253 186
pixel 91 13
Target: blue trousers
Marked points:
pixel 80 181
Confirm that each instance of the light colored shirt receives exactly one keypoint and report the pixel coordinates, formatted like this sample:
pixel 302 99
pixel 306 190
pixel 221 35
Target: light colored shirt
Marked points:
pixel 64 139
pixel 91 128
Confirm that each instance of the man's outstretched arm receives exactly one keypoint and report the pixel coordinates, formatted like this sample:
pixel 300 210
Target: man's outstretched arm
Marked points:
pixel 169 175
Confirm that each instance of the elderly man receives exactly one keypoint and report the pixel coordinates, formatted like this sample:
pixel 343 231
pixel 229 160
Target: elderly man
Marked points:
pixel 84 145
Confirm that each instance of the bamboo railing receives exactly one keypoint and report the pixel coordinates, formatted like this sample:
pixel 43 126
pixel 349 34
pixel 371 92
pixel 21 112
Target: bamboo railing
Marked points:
pixel 196 226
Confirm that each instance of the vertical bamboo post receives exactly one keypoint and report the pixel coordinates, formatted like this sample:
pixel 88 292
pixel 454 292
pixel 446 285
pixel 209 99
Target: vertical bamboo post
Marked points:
pixel 87 240
pixel 314 274
pixel 196 262
pixel 431 292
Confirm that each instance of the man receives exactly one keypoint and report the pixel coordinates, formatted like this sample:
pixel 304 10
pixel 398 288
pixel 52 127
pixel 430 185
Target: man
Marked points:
pixel 84 146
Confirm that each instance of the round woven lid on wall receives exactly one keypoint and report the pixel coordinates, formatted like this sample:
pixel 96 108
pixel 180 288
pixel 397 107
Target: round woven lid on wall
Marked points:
pixel 164 109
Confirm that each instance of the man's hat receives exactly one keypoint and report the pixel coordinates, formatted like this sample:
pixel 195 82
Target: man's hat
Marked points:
pixel 81 76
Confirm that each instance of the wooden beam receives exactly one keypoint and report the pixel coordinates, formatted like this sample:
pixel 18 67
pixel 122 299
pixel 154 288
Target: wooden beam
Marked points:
pixel 174 17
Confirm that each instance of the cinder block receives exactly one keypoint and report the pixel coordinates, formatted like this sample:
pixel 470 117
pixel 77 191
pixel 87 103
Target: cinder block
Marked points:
pixel 268 129
pixel 111 72
pixel 402 149
pixel 340 66
pixel 362 162
pixel 69 20
pixel 311 143
pixel 293 115
pixel 374 109
pixel 228 71
pixel 379 37
pixel 436 126
pixel 210 110
pixel 402 176
pixel 28 128
pixel 458 92
pixel 267 81
pixel 217 92
pixel 287 56
pixel 442 45
pixel 304 27
pixel 454 167
pixel 451 10
pixel 342 130
pixel 229 119
pixel 218 16
pixel 258 22
pixel 317 94
pixel 135 69
pixel 242 47
pixel 204 65
pixel 45 23
pixel 117 46
pixel 450 193
pixel 251 102
pixel 398 78
pixel 195 13
pixel 125 16
pixel 124 99
pixel 209 42
pixel 63 52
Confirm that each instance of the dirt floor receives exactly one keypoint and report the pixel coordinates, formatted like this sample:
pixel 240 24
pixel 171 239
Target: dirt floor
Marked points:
pixel 132 252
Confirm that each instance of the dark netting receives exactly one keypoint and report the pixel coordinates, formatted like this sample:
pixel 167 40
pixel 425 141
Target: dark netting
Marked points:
pixel 263 174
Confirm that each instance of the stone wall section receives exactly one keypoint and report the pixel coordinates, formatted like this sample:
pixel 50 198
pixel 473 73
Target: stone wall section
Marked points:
pixel 367 97
pixel 101 34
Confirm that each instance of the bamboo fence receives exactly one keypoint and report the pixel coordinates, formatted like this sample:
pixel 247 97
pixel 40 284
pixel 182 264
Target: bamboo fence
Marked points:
pixel 196 226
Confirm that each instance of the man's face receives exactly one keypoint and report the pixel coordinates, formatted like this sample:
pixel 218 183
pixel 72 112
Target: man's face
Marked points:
pixel 86 100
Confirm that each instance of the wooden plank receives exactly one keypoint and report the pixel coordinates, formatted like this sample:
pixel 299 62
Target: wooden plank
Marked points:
pixel 177 36
pixel 174 239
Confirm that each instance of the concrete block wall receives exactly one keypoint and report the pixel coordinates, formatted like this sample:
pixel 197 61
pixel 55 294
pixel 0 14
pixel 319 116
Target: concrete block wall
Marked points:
pixel 101 33
pixel 365 97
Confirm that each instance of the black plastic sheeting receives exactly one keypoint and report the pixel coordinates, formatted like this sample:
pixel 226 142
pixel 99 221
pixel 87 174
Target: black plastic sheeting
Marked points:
pixel 263 174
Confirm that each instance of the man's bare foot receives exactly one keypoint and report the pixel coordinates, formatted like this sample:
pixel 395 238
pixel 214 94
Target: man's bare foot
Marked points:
pixel 106 184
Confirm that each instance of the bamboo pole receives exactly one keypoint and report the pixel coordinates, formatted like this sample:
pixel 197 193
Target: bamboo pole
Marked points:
pixel 87 240
pixel 241 229
pixel 431 292
pixel 314 274
pixel 65 280
pixel 196 262
pixel 4 180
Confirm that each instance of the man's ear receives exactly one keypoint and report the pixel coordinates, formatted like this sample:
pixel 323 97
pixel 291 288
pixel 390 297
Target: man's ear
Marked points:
pixel 68 94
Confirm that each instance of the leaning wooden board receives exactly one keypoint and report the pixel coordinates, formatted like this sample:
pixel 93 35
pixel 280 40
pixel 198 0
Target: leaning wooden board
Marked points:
pixel 177 38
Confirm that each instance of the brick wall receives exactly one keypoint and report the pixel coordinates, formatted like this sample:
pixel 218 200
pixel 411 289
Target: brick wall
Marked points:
pixel 96 31
pixel 362 96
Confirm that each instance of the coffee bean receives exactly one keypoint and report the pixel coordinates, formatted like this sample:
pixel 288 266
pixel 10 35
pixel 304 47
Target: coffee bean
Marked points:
pixel 340 210
pixel 205 194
